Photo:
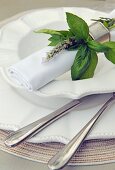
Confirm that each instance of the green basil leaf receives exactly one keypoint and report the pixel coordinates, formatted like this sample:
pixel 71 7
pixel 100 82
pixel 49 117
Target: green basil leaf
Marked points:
pixel 63 33
pixel 110 53
pixel 56 36
pixel 48 31
pixel 96 46
pixel 54 43
pixel 77 26
pixel 111 27
pixel 80 64
pixel 89 73
pixel 55 40
pixel 110 44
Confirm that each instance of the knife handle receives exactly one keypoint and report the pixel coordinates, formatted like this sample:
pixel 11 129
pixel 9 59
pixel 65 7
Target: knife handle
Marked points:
pixel 64 155
pixel 28 131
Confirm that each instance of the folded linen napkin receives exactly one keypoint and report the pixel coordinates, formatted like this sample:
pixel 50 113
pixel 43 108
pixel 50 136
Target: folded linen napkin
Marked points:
pixel 33 74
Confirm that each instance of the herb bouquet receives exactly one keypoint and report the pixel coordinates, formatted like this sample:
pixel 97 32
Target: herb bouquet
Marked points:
pixel 77 37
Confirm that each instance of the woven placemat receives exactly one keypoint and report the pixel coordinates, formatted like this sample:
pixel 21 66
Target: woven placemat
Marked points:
pixel 91 151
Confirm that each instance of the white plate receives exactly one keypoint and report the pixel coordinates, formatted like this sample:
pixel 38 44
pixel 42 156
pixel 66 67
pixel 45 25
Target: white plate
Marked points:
pixel 20 107
pixel 17 41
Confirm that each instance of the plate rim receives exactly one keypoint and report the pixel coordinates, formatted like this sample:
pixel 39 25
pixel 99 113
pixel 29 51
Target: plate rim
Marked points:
pixel 41 92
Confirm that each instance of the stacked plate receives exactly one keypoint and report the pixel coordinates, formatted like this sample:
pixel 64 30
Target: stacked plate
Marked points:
pixel 19 107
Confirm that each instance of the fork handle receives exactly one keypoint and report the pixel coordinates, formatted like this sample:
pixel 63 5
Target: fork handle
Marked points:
pixel 28 131
pixel 63 156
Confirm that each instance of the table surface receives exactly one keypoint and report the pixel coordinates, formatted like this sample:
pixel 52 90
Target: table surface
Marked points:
pixel 13 7
pixel 10 162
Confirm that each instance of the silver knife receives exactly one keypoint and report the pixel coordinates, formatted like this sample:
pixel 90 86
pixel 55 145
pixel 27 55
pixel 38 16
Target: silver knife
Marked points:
pixel 64 155
pixel 30 130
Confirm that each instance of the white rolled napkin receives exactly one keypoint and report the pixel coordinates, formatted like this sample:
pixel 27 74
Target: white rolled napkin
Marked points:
pixel 33 74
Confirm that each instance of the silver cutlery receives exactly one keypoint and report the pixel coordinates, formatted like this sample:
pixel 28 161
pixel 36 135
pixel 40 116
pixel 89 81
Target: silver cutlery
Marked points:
pixel 30 130
pixel 65 154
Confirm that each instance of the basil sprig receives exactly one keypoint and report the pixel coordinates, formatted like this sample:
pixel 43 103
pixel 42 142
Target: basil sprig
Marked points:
pixel 107 22
pixel 77 38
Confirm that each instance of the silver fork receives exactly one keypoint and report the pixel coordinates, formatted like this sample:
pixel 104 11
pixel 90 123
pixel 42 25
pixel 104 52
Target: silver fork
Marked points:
pixel 65 154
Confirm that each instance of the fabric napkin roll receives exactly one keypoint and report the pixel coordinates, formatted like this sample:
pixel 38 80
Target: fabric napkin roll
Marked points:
pixel 33 74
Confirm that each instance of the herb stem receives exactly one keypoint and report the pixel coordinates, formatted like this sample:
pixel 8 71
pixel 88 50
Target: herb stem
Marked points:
pixel 109 23
pixel 61 46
